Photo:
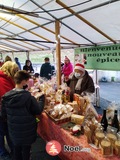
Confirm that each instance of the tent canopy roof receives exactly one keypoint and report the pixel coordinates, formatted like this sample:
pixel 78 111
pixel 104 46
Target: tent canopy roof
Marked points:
pixel 82 23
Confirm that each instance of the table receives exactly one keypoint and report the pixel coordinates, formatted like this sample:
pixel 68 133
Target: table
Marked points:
pixel 48 130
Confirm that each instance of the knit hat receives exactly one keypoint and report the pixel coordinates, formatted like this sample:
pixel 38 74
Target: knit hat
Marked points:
pixel 79 66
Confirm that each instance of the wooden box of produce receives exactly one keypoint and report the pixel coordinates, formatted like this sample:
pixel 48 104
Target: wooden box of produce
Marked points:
pixel 60 113
pixel 58 121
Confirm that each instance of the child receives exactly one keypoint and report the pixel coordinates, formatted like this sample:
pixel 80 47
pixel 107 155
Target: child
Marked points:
pixel 20 108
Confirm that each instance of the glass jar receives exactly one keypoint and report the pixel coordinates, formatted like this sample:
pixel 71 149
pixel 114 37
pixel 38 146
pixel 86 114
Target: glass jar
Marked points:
pixel 117 145
pixel 87 133
pixel 112 135
pixel 106 147
pixel 112 138
pixel 99 136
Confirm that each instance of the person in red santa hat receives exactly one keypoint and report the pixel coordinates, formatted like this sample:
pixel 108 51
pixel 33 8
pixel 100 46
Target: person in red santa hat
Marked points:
pixel 80 82
pixel 67 68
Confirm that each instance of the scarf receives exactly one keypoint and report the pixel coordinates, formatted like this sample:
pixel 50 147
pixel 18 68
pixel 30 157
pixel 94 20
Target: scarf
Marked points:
pixel 78 85
pixel 79 82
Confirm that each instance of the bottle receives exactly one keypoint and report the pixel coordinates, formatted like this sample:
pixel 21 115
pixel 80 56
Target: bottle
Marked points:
pixel 67 96
pixel 115 122
pixel 104 122
pixel 63 96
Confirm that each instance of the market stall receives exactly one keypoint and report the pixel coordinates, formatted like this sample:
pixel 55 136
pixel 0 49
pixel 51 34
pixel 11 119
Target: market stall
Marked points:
pixel 74 124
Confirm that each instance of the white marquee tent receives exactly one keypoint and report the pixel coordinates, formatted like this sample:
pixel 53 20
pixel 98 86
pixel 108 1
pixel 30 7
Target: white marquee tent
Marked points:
pixel 29 25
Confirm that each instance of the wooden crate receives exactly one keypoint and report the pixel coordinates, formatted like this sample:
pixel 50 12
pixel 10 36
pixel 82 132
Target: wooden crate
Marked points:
pixel 58 121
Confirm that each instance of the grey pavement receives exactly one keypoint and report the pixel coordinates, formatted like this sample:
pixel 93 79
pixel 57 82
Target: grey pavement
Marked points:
pixel 110 91
pixel 39 151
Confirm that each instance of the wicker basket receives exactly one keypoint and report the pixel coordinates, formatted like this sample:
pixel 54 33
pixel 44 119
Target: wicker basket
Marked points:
pixel 58 121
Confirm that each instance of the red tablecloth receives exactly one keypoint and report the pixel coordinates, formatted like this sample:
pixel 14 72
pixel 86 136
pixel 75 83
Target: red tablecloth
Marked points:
pixel 48 130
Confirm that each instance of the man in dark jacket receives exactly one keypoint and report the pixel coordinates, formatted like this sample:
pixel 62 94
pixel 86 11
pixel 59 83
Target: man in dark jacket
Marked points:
pixel 46 70
pixel 18 63
pixel 80 82
pixel 20 108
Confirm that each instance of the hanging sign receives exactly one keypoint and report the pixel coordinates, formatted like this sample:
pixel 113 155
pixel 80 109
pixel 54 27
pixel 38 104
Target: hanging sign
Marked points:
pixel 99 57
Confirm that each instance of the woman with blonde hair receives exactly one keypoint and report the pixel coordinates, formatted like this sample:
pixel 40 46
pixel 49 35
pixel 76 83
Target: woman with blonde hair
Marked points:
pixel 8 58
pixel 7 72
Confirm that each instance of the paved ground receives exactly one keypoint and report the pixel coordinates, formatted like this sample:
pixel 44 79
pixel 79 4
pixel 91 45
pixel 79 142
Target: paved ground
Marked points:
pixel 39 152
pixel 110 91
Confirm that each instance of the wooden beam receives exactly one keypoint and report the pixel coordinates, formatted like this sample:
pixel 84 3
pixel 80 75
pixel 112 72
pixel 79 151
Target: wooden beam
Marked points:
pixel 84 20
pixel 47 29
pixel 6 48
pixel 58 55
pixel 19 26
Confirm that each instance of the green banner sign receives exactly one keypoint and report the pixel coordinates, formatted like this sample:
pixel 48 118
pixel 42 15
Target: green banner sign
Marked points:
pixel 99 57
